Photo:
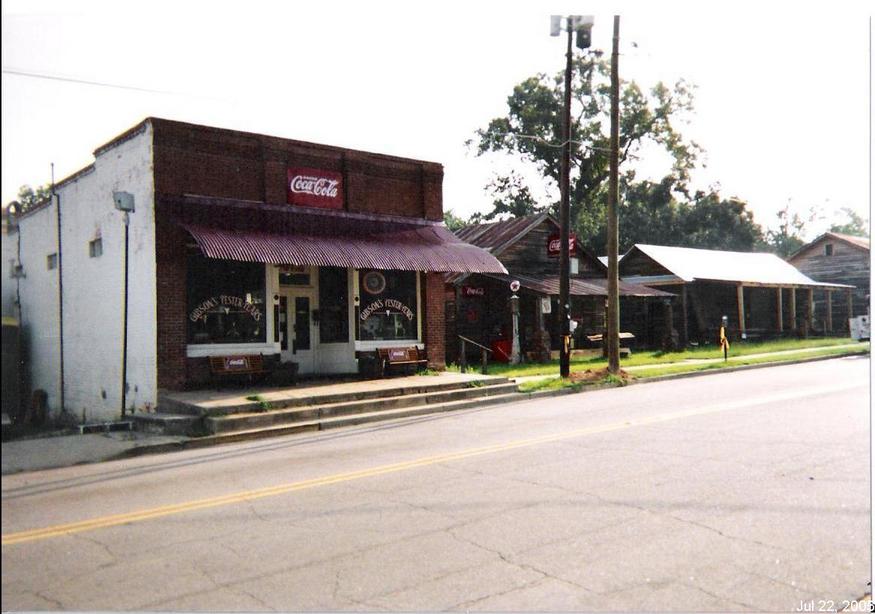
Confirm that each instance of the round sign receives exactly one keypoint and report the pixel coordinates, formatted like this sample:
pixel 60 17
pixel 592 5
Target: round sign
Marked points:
pixel 514 285
pixel 374 282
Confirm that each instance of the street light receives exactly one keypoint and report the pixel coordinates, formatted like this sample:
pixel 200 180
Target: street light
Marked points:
pixel 124 202
pixel 582 25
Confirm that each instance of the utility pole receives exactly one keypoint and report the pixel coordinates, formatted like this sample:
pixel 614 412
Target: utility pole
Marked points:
pixel 564 222
pixel 613 197
pixel 582 26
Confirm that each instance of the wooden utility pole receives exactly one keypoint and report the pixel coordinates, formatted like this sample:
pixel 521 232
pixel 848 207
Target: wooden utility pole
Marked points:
pixel 613 197
pixel 564 220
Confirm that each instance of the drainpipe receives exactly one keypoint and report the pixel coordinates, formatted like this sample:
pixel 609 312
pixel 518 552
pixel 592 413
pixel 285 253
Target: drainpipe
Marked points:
pixel 57 198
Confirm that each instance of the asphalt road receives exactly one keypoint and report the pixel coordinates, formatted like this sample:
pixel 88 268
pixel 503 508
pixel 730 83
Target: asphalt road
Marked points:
pixel 737 491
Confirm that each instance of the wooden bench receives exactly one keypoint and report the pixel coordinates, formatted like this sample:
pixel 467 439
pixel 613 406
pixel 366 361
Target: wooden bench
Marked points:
pixel 627 338
pixel 246 368
pixel 403 358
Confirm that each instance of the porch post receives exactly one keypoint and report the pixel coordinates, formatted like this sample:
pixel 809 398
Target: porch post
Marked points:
pixel 829 311
pixel 809 311
pixel 850 307
pixel 740 299
pixel 793 308
pixel 780 310
pixel 685 338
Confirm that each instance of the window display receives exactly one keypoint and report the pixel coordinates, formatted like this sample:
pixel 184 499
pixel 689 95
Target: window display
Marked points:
pixel 225 301
pixel 333 305
pixel 387 305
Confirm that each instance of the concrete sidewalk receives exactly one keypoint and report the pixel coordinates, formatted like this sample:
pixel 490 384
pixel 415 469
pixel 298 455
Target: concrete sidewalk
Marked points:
pixel 69 450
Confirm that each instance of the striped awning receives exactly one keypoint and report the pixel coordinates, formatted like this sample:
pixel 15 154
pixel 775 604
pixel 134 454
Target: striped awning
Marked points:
pixel 405 247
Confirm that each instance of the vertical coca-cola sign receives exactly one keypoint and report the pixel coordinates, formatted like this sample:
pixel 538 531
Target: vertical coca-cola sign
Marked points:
pixel 310 187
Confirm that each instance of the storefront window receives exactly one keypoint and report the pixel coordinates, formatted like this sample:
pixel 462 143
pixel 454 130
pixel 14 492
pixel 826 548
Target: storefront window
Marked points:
pixel 387 306
pixel 333 306
pixel 225 301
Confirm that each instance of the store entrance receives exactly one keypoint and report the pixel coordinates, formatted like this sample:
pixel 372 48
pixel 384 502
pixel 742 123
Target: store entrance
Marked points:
pixel 297 328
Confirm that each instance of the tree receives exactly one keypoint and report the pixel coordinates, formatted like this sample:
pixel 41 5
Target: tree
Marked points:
pixel 516 200
pixel 855 225
pixel 532 132
pixel 29 198
pixel 453 221
pixel 789 236
pixel 711 221
pixel 650 213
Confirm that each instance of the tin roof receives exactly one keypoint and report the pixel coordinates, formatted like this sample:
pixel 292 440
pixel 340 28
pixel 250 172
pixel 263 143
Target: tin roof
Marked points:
pixel 578 287
pixel 336 239
pixel 496 236
pixel 757 268
pixel 860 242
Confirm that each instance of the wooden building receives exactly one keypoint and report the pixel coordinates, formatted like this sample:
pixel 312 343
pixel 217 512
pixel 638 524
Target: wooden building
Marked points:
pixel 838 258
pixel 756 291
pixel 478 305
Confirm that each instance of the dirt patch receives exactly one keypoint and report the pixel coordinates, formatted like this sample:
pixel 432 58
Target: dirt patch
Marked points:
pixel 591 376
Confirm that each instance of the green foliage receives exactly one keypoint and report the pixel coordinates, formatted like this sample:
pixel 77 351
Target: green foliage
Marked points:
pixel 532 132
pixel 789 236
pixel 516 200
pixel 452 221
pixel 263 404
pixel 29 198
pixel 855 225
pixel 655 213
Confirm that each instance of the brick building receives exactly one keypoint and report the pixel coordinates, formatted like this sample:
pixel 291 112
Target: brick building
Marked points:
pixel 239 244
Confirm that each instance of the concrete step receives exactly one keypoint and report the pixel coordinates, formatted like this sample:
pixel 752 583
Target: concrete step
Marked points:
pixel 167 404
pixel 165 424
pixel 320 424
pixel 266 419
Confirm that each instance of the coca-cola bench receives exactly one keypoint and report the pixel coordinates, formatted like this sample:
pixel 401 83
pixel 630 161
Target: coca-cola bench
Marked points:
pixel 405 359
pixel 238 369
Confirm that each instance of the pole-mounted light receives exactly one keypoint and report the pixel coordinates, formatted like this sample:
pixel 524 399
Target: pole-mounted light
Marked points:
pixel 582 25
pixel 124 201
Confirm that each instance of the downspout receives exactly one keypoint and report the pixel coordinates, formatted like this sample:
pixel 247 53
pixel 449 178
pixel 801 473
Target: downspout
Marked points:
pixel 57 198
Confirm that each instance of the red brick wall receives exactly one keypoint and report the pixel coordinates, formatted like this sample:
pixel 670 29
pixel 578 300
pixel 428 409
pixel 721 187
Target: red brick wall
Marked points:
pixel 190 159
pixel 171 280
pixel 228 164
pixel 434 322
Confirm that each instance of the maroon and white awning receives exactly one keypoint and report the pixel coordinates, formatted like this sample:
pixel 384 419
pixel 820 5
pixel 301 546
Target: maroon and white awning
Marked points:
pixel 361 242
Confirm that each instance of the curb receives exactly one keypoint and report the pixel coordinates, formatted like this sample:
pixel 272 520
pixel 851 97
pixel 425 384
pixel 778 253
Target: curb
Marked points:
pixel 674 376
pixel 205 442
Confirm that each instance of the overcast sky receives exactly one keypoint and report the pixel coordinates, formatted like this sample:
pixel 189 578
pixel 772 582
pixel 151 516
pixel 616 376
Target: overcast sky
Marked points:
pixel 783 98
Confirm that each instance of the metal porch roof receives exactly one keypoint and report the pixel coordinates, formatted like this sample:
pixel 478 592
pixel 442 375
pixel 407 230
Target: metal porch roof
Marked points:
pixel 757 268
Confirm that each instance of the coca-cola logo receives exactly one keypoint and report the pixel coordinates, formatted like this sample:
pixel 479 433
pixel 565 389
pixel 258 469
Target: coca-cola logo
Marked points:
pixel 310 187
pixel 554 244
pixel 317 186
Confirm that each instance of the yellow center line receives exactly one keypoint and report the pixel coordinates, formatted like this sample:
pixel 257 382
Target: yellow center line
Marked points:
pixel 250 495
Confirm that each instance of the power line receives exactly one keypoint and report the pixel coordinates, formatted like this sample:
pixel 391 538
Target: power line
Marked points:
pixel 557 146
pixel 36 75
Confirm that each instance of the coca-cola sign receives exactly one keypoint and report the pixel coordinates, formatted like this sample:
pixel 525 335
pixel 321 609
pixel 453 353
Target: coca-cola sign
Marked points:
pixel 554 244
pixel 309 187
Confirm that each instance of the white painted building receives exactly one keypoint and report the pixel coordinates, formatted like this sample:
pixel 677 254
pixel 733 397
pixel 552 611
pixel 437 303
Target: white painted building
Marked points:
pixel 239 245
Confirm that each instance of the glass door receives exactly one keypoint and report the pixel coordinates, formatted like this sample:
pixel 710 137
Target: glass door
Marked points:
pixel 296 309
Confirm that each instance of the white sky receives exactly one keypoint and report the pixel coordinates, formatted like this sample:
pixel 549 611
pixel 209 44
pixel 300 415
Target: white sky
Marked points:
pixel 783 100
